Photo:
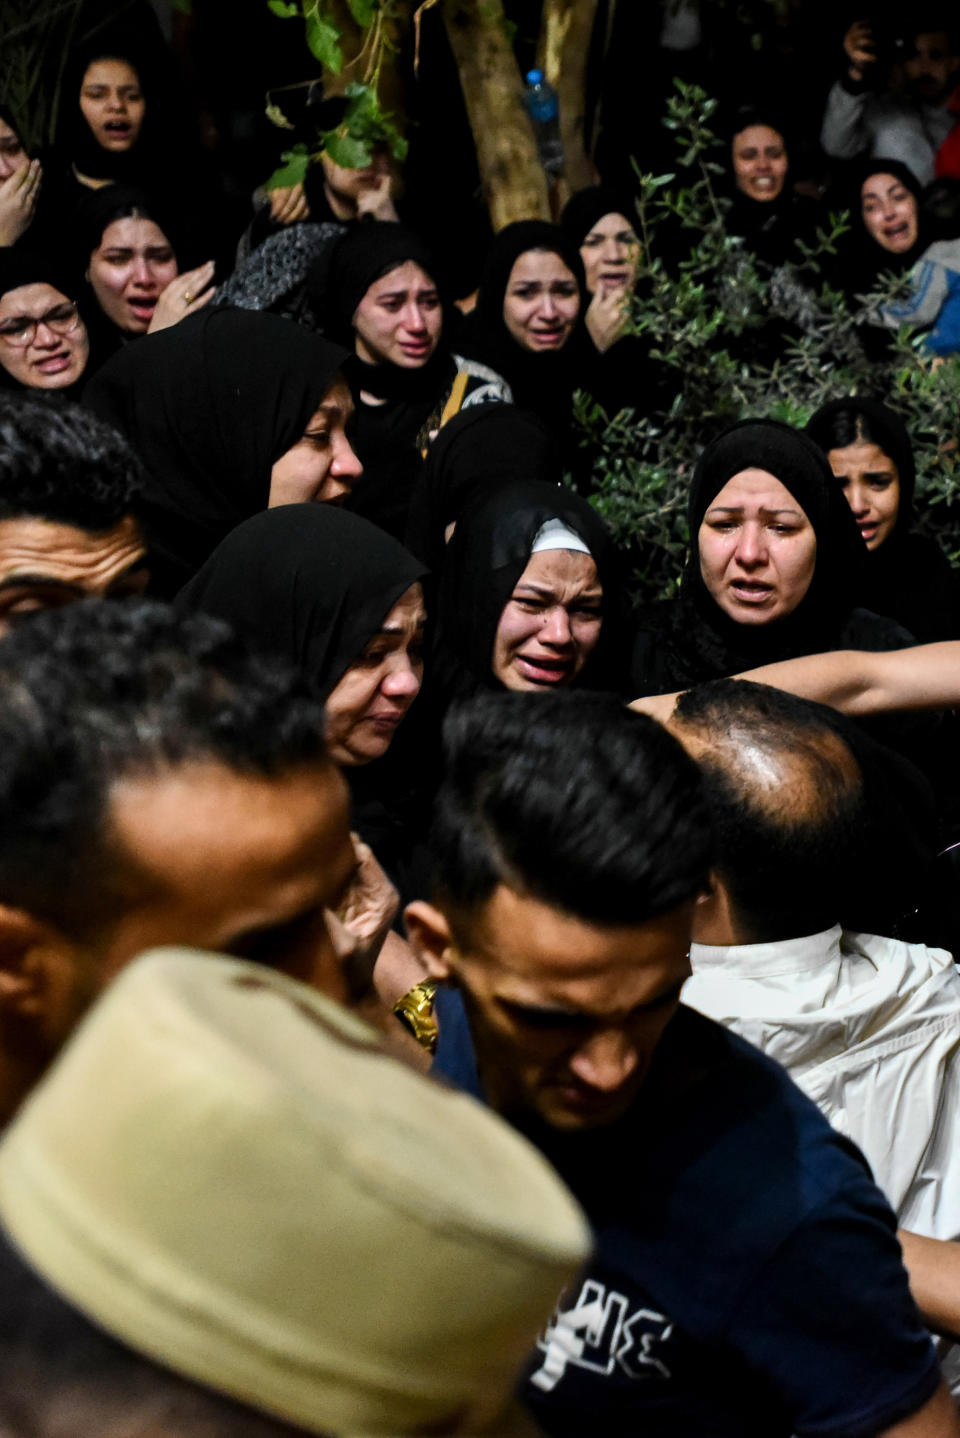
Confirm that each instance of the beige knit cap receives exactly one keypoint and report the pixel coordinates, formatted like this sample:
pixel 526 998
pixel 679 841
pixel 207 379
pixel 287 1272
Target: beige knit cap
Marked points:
pixel 225 1170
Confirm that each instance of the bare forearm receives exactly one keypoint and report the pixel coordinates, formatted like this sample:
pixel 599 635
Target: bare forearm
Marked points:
pixel 859 682
pixel 933 1266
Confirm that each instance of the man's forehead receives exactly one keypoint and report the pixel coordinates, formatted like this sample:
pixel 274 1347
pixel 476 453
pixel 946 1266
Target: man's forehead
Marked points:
pixel 64 551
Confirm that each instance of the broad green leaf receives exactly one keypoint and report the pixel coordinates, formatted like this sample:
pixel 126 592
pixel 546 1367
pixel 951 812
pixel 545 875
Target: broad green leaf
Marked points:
pixel 284 8
pixel 292 172
pixel 324 41
pixel 363 11
pixel 347 151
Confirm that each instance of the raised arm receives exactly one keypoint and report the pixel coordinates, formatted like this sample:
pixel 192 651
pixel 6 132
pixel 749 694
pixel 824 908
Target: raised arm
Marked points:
pixel 856 681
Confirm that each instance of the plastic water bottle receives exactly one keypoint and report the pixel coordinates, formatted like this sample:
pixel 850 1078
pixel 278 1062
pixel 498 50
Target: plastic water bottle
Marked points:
pixel 540 99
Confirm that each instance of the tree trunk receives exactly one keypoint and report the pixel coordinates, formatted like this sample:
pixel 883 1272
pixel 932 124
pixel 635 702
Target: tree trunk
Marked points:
pixel 514 184
pixel 565 32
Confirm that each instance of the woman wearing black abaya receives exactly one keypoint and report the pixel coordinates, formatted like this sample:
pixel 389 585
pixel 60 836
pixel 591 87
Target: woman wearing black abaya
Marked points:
pixel 332 594
pixel 480 450
pixel 231 412
pixel 376 291
pixel 907 575
pixel 530 597
pixel 774 571
pixel 528 321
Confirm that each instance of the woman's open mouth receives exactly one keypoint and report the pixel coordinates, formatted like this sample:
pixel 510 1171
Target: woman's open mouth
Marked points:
pixel 55 363
pixel 751 591
pixel 541 670
pixel 143 306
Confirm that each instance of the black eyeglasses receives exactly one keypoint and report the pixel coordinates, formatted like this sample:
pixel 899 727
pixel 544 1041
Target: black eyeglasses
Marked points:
pixel 21 330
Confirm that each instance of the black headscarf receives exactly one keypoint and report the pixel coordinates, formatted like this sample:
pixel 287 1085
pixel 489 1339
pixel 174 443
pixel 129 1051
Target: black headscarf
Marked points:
pixel 339 280
pixel 864 260
pixel 543 383
pixel 588 207
pixel 693 639
pixel 487 554
pixel 209 405
pixel 22 266
pixel 76 143
pixel 480 449
pixel 309 583
pixel 908 577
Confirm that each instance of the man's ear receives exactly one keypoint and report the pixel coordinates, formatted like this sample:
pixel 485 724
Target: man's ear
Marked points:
pixel 32 963
pixel 430 938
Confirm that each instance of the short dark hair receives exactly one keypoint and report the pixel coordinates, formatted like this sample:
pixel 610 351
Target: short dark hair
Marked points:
pixel 60 1375
pixel 94 692
pixel 65 465
pixel 572 799
pixel 783 853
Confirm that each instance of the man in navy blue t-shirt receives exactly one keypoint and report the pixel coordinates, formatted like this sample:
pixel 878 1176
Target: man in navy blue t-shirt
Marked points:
pixel 747 1279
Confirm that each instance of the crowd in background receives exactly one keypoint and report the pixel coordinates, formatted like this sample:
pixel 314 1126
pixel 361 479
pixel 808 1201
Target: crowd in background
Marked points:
pixel 320 671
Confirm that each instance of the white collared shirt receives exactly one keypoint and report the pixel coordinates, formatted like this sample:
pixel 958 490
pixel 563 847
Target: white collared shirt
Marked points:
pixel 869 1028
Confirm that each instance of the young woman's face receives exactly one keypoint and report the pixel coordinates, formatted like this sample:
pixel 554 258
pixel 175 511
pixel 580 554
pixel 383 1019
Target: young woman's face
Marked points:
pixel 321 467
pixel 112 104
pixel 759 162
pixel 541 302
pixel 550 624
pixel 889 213
pixel 367 704
pixel 758 549
pixel 610 254
pixel 399 319
pixel 129 271
pixel 43 341
pixel 871 487
pixel 13 156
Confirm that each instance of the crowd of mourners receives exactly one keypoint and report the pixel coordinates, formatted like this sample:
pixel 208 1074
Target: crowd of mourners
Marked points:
pixel 437 995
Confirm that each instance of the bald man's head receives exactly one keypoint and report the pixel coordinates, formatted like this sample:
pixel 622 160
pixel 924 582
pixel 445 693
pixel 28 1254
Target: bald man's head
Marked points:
pixel 786 798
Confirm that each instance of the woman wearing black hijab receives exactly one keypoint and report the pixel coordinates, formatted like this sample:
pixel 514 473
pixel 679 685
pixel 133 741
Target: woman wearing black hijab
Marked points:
pixel 907 575
pixel 333 595
pixel 231 412
pixel 376 291
pixel 44 344
pixel 482 449
pixel 528 321
pixel 618 371
pixel 530 596
pixel 774 570
pixel 765 211
pixel 120 124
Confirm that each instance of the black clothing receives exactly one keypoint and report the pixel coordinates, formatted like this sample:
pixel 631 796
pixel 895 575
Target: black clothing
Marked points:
pixel 543 383
pixel 480 450
pixel 690 639
pixel 389 435
pixel 308 582
pixel 909 577
pixel 486 556
pixel 311 584
pixel 209 405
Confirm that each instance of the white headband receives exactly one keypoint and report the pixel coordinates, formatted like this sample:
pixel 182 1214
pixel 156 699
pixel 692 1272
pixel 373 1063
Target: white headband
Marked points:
pixel 555 535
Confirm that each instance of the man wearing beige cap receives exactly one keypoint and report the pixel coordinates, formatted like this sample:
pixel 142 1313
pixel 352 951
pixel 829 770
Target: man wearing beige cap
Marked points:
pixel 748 1279
pixel 158 785
pixel 228 1211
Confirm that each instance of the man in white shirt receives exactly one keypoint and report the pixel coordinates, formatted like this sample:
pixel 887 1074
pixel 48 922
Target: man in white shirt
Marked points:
pixel 867 1026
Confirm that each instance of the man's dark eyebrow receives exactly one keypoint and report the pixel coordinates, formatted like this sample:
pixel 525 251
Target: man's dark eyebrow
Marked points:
pixel 559 1015
pixel 39 581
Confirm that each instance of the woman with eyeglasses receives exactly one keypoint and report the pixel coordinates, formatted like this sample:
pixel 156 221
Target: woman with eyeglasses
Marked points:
pixel 43 340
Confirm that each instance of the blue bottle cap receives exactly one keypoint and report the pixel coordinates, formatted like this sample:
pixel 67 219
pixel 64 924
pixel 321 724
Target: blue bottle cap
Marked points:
pixel 534 77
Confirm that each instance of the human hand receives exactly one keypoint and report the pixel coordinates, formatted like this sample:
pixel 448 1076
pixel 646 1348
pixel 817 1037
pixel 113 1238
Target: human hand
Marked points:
pixel 607 316
pixel 183 296
pixel 288 204
pixel 376 202
pixel 18 200
pixel 858 46
pixel 361 924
